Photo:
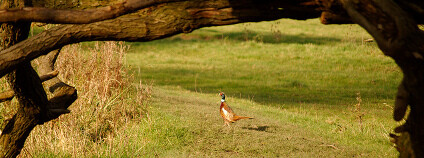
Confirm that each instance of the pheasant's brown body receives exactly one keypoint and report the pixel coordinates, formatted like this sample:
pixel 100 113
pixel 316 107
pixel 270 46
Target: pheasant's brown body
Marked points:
pixel 228 115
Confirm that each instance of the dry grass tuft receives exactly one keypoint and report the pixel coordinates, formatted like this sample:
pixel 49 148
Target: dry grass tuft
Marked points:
pixel 106 102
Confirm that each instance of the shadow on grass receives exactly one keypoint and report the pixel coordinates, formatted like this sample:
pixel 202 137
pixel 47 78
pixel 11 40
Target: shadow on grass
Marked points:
pixel 259 128
pixel 282 93
pixel 276 38
pixel 270 38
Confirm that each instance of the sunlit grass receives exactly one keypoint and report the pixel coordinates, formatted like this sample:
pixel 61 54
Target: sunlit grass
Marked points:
pixel 303 70
pixel 314 91
pixel 313 73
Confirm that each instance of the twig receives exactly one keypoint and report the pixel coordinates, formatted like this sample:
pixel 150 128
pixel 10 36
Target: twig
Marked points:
pixel 9 94
pixel 332 146
pixel 49 76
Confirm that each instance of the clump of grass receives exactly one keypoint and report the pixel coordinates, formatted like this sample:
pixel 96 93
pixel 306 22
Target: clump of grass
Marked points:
pixel 357 111
pixel 276 33
pixel 106 103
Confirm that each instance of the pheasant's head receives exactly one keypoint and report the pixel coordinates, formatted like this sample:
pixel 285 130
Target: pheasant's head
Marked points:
pixel 223 96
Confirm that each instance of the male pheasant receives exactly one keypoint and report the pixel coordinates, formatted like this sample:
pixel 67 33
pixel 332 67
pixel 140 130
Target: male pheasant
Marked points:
pixel 227 113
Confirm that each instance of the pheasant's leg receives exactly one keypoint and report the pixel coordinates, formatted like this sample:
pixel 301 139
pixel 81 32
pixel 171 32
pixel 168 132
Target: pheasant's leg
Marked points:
pixel 227 123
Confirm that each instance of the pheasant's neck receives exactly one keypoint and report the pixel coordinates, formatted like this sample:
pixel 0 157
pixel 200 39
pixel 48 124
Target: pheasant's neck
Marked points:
pixel 222 100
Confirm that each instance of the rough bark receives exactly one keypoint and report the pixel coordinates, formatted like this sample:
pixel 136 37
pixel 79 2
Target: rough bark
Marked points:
pixel 32 111
pixel 27 88
pixel 32 101
pixel 63 94
pixel 398 36
pixel 72 16
pixel 22 82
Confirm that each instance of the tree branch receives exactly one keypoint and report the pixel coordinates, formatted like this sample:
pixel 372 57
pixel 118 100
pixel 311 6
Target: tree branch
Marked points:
pixel 155 23
pixel 9 94
pixel 69 16
pixel 63 94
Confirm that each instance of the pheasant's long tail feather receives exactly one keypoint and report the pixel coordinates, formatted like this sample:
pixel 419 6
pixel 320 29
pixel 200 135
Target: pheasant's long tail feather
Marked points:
pixel 241 117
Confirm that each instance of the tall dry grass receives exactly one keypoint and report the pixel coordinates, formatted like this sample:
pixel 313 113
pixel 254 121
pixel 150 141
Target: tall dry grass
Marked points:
pixel 107 102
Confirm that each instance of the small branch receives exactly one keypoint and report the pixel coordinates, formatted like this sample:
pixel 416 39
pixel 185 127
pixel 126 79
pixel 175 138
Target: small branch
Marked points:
pixel 49 76
pixel 332 146
pixel 62 16
pixel 7 95
pixel 330 18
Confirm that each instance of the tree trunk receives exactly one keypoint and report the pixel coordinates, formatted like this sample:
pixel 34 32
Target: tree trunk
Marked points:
pixel 27 89
pixel 398 36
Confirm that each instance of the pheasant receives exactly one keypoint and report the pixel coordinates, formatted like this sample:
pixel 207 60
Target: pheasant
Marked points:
pixel 227 113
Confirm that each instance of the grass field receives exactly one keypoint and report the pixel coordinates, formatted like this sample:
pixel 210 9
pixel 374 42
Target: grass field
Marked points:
pixel 314 91
pixel 320 83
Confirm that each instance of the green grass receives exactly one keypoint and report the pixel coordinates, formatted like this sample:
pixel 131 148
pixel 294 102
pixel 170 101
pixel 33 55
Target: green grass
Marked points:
pixel 310 70
pixel 301 76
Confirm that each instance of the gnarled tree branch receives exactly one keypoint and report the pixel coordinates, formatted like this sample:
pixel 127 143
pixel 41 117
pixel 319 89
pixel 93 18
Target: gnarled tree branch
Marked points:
pixel 69 16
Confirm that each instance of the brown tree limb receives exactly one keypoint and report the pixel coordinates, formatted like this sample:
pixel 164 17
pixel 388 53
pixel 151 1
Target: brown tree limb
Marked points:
pixel 70 16
pixel 63 94
pixel 7 95
pixel 331 18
